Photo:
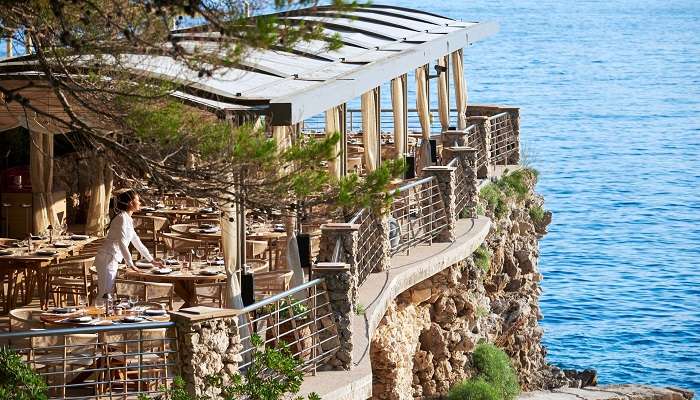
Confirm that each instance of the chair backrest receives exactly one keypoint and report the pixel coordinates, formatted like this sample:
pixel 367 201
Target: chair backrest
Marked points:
pixel 180 244
pixel 255 248
pixel 24 319
pixel 272 282
pixel 154 292
pixel 210 293
pixel 148 226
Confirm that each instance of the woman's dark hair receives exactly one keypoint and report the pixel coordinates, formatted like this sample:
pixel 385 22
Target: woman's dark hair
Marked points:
pixel 121 201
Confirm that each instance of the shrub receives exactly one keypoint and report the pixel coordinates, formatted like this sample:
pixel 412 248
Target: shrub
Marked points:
pixel 495 378
pixel 537 214
pixel 494 366
pixel 359 309
pixel 482 258
pixel 18 381
pixel 473 389
pixel 495 199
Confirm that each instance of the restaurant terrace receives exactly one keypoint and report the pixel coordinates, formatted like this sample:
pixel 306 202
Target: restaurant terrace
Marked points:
pixel 300 284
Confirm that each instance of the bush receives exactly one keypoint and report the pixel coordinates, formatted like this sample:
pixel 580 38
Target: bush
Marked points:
pixel 473 389
pixel 495 200
pixel 537 214
pixel 495 378
pixel 482 258
pixel 494 366
pixel 18 381
pixel 518 182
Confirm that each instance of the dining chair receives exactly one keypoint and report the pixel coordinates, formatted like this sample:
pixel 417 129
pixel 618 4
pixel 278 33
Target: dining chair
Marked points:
pixel 210 293
pixel 60 357
pixel 70 278
pixel 24 319
pixel 180 244
pixel 148 227
pixel 155 292
pixel 273 282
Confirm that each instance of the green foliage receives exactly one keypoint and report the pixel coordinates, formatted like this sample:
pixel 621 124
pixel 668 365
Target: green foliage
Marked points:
pixel 274 374
pixel 298 308
pixel 495 200
pixel 482 258
pixel 481 311
pixel 536 214
pixel 495 378
pixel 473 389
pixel 480 210
pixel 359 309
pixel 370 192
pixel 494 366
pixel 18 381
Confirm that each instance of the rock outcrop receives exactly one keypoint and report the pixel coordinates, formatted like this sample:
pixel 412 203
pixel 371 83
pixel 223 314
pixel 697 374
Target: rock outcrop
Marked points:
pixel 423 345
pixel 611 392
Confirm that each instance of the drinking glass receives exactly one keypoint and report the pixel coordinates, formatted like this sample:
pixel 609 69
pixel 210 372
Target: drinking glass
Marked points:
pixel 82 302
pixel 133 300
pixel 199 253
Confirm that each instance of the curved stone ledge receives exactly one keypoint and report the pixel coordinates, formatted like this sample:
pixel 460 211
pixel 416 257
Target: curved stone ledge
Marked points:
pixel 611 392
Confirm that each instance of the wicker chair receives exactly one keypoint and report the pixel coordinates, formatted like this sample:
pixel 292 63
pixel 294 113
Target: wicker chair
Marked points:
pixel 153 292
pixel 148 228
pixel 179 244
pixel 210 294
pixel 69 278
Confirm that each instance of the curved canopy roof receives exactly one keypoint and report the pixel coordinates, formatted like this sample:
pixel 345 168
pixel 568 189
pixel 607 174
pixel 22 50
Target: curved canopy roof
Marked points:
pixel 381 42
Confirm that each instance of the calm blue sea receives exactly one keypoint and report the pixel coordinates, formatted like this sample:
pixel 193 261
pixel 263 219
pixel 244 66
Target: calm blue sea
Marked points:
pixel 610 97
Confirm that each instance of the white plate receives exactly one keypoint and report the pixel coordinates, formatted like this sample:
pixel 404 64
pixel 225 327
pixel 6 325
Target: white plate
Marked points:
pixel 80 237
pixel 209 230
pixel 62 244
pixel 83 319
pixel 143 264
pixel 162 271
pixel 46 252
pixel 132 319
pixel 154 311
pixel 209 272
pixel 6 252
pixel 216 262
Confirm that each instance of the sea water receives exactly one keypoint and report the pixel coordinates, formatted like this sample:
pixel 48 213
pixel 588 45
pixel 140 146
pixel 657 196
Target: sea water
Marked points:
pixel 610 115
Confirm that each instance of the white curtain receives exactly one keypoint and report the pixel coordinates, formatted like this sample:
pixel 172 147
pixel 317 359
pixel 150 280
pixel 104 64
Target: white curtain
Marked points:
pixel 370 133
pixel 101 191
pixel 398 105
pixel 443 94
pixel 423 108
pixel 333 119
pixel 41 171
pixel 460 88
pixel 283 136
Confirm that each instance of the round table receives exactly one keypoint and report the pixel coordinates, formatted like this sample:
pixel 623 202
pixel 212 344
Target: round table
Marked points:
pixel 183 283
pixel 63 319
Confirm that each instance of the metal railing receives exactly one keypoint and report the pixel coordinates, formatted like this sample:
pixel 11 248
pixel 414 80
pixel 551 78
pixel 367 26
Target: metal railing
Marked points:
pixel 462 190
pixel 369 249
pixel 353 121
pixel 503 140
pixel 417 215
pixel 301 318
pixel 476 139
pixel 102 362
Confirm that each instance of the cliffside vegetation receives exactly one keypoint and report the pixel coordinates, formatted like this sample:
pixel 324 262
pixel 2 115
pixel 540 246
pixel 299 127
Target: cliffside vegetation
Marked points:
pixel 495 378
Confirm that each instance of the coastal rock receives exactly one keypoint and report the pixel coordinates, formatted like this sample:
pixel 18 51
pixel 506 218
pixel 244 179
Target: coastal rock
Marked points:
pixel 611 392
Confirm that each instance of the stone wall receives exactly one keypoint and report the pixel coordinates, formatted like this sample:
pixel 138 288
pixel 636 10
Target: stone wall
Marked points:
pixel 424 343
pixel 207 345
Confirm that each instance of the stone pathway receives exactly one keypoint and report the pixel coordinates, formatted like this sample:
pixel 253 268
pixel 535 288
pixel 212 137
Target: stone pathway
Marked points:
pixel 611 392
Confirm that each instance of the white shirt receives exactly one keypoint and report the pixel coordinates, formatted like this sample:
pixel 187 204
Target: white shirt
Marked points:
pixel 121 233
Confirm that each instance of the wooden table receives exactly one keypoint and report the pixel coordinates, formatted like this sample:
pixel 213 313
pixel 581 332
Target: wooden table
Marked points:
pixel 183 283
pixel 32 264
pixel 95 312
pixel 174 214
pixel 272 238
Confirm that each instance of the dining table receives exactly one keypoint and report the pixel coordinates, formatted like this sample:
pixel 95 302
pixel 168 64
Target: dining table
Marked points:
pixel 176 213
pixel 184 280
pixel 19 258
pixel 95 316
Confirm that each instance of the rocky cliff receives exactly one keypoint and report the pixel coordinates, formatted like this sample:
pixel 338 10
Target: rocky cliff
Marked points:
pixel 423 345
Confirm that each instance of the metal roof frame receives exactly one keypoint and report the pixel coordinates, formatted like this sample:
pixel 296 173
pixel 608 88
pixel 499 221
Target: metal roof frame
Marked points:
pixel 382 42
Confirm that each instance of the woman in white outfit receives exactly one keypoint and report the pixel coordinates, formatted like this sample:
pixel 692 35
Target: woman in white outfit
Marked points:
pixel 116 245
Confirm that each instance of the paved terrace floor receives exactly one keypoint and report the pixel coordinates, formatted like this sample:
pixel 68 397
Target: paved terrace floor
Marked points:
pixel 376 294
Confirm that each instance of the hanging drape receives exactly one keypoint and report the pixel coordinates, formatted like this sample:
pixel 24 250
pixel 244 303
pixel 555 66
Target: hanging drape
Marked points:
pixel 443 94
pixel 423 108
pixel 100 193
pixel 41 172
pixel 370 132
pixel 398 105
pixel 333 121
pixel 460 88
pixel 283 136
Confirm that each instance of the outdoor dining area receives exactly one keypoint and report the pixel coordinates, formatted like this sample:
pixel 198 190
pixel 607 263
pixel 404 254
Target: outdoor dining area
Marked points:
pixel 196 254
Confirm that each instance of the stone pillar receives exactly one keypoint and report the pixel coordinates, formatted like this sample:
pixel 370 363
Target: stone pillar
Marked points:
pixel 484 145
pixel 341 286
pixel 447 181
pixel 467 161
pixel 344 233
pixel 208 344
pixel 514 159
pixel 382 225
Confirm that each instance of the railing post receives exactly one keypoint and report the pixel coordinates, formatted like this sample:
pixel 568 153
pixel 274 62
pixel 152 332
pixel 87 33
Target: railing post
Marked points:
pixel 484 146
pixel 467 157
pixel 207 344
pixel 341 286
pixel 514 156
pixel 447 183
pixel 349 238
